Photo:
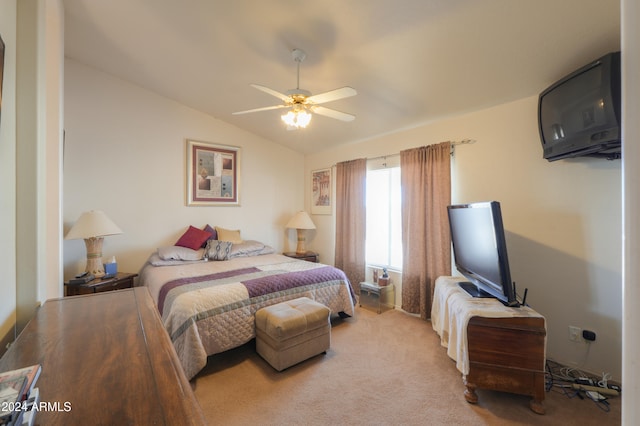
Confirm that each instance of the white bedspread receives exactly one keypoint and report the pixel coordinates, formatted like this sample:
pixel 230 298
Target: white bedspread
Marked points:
pixel 453 308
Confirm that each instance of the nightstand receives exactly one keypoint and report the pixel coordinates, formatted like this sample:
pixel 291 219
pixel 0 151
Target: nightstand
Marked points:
pixel 309 256
pixel 120 281
pixel 379 298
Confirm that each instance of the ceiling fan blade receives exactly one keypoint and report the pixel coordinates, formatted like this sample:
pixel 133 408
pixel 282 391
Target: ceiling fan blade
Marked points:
pixel 328 112
pixel 272 92
pixel 332 95
pixel 260 109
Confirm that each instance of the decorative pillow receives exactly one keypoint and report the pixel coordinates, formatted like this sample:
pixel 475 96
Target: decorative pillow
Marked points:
pixel 218 250
pixel 180 253
pixel 214 235
pixel 193 238
pixel 228 235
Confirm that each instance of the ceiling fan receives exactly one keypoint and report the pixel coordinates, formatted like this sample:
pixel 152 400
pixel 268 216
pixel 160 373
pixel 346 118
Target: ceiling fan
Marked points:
pixel 301 103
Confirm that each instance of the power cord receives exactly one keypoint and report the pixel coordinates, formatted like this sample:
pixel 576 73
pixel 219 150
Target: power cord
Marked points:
pixel 573 383
pixel 605 378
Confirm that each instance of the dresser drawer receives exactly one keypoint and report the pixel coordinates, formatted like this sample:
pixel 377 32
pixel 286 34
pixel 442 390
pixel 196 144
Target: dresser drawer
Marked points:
pixel 508 342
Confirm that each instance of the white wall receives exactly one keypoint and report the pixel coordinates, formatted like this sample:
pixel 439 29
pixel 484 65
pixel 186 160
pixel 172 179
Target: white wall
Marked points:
pixel 125 154
pixel 8 173
pixel 630 13
pixel 563 220
pixel 564 229
pixel 50 128
pixel 30 141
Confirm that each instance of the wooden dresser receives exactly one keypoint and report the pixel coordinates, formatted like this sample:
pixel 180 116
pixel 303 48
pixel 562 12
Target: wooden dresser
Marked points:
pixel 505 346
pixel 106 359
pixel 507 354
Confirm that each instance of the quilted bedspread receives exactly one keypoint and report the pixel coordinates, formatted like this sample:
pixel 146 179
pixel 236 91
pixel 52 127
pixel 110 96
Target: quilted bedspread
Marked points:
pixel 209 307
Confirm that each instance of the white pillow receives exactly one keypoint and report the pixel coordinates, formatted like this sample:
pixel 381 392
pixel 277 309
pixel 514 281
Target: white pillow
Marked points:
pixel 250 248
pixel 180 253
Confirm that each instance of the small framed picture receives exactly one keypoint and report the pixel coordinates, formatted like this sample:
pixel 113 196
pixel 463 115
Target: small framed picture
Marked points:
pixel 213 174
pixel 321 191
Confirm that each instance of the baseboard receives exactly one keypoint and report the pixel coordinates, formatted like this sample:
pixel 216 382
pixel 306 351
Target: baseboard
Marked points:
pixel 6 340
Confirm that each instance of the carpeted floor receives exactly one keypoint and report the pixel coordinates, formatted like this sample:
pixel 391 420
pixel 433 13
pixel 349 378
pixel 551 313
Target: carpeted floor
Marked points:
pixel 386 369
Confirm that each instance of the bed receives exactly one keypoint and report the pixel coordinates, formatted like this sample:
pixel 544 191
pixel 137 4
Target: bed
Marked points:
pixel 208 305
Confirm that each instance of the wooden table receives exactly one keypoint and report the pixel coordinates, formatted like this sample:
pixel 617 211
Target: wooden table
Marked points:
pixel 106 359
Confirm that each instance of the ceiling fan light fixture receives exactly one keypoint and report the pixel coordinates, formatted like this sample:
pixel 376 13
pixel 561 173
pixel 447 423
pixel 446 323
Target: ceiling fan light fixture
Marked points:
pixel 297 118
pixel 302 103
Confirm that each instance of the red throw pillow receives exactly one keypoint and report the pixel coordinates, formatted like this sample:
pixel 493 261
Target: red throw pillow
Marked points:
pixel 193 238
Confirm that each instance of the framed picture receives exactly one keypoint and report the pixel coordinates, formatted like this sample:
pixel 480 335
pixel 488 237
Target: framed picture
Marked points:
pixel 321 191
pixel 213 174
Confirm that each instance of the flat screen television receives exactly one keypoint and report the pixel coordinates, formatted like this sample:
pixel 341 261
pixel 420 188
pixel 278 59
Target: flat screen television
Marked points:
pixel 579 115
pixel 480 250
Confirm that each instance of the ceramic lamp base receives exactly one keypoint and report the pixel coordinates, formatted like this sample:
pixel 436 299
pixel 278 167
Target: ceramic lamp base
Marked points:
pixel 301 248
pixel 94 256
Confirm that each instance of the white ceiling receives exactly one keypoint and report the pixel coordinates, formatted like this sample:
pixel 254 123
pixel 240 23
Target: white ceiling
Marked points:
pixel 411 61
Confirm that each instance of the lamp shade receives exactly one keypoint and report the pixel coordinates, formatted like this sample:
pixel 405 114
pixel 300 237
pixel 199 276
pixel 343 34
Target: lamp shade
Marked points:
pixel 93 223
pixel 301 220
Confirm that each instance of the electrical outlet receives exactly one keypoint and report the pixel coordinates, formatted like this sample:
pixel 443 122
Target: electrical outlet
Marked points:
pixel 588 335
pixel 575 334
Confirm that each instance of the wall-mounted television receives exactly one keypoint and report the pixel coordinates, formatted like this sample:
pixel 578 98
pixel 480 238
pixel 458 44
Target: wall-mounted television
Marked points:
pixel 480 250
pixel 579 115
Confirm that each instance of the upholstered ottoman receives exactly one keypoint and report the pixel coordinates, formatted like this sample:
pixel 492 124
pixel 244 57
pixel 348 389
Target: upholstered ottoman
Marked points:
pixel 290 332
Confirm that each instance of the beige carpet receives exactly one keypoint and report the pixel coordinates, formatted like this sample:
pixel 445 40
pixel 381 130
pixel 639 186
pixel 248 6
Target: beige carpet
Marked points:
pixel 386 369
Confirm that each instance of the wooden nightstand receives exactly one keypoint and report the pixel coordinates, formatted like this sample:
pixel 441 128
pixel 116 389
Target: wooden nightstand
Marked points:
pixel 120 281
pixel 309 256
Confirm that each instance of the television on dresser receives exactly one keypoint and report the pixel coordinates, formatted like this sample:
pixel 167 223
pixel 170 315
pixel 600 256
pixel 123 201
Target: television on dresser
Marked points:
pixel 480 250
pixel 580 114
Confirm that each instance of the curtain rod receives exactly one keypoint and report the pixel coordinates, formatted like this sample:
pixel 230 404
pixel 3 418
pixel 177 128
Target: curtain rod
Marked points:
pixel 453 143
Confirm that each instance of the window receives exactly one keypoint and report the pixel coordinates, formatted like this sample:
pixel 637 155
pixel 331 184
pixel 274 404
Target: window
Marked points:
pixel 384 221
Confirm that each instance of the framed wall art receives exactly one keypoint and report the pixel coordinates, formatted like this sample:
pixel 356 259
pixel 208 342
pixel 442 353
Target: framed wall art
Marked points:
pixel 213 174
pixel 321 191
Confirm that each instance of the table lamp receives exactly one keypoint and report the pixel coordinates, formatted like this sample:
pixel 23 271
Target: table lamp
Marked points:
pixel 301 222
pixel 92 226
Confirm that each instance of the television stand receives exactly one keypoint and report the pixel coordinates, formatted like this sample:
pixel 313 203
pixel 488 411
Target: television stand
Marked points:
pixel 474 291
pixel 495 347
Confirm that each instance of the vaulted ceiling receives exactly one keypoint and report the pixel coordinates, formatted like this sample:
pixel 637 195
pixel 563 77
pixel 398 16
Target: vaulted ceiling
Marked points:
pixel 411 61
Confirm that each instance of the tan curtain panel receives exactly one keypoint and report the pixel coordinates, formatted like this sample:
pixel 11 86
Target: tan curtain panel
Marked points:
pixel 426 243
pixel 351 220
